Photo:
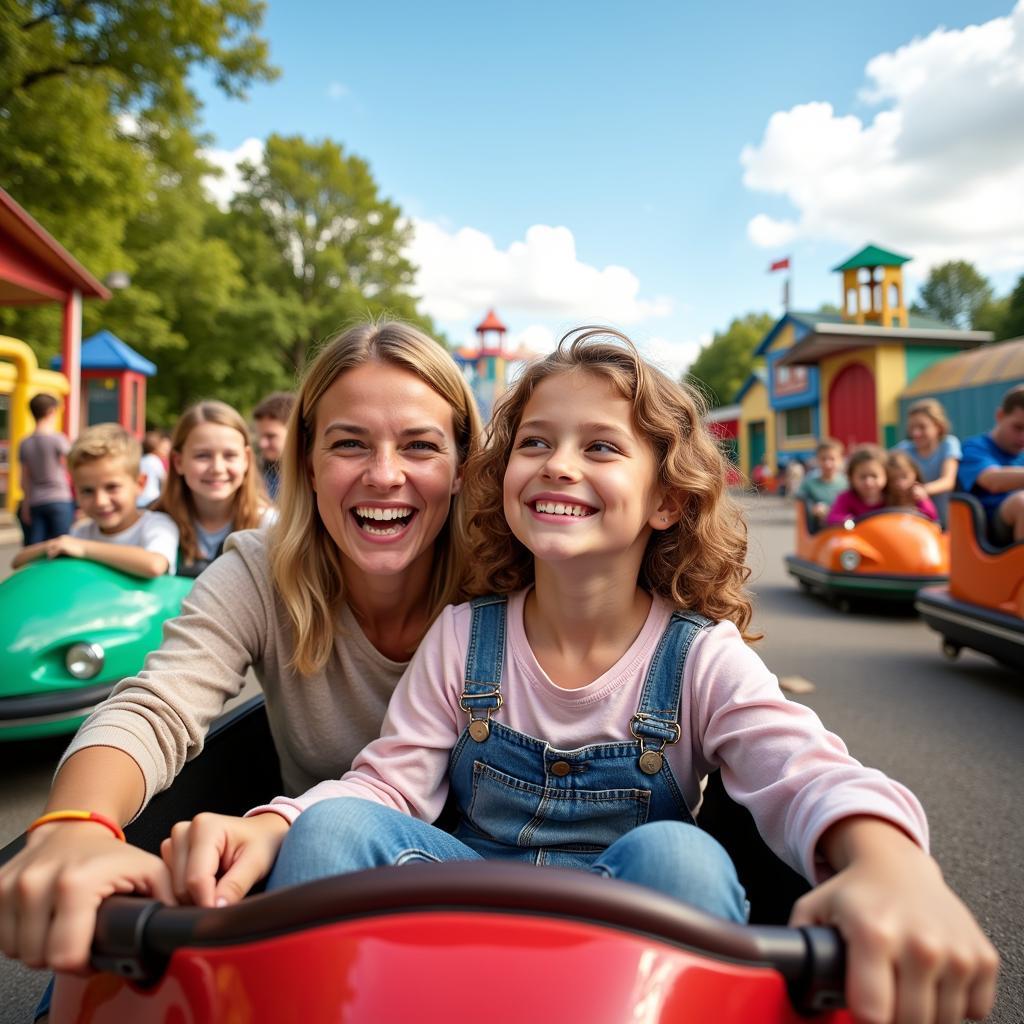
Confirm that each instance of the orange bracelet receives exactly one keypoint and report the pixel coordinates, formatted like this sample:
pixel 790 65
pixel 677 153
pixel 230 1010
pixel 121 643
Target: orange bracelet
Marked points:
pixel 100 819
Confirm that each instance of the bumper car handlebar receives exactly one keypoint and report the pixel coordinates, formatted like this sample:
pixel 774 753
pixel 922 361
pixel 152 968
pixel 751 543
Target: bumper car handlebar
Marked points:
pixel 136 937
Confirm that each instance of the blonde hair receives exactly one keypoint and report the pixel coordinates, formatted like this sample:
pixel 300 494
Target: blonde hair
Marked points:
pixel 696 564
pixel 304 559
pixel 106 441
pixel 896 461
pixel 932 408
pixel 248 502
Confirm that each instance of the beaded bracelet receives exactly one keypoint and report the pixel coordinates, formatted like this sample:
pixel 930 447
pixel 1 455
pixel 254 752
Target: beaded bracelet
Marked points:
pixel 100 819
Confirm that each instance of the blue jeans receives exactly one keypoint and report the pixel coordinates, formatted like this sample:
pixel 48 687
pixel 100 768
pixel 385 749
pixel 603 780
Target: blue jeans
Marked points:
pixel 335 837
pixel 49 520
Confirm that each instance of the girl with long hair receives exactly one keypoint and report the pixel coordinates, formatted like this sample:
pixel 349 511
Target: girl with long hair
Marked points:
pixel 212 486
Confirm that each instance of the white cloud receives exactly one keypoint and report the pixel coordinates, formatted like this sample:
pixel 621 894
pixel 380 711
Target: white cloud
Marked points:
pixel 221 189
pixel 337 90
pixel 463 273
pixel 672 356
pixel 937 173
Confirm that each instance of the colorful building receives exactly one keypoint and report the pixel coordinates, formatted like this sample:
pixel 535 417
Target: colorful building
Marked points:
pixel 489 366
pixel 842 374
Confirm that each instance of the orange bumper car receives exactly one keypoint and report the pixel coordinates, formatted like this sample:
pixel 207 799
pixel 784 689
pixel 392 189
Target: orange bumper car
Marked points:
pixel 886 555
pixel 983 606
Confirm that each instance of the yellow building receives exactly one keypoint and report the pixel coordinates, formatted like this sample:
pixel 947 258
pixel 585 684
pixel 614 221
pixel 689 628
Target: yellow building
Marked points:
pixel 842 374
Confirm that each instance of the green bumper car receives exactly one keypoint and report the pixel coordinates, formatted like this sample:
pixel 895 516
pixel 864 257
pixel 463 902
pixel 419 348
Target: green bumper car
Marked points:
pixel 70 630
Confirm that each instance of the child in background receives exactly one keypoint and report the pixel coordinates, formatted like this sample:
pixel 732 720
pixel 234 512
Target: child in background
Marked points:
pixel 104 464
pixel 903 488
pixel 822 487
pixel 575 713
pixel 866 472
pixel 935 451
pixel 271 420
pixel 153 467
pixel 212 488
pixel 47 509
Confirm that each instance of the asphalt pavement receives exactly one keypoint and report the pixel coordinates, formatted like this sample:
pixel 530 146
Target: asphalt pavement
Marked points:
pixel 952 732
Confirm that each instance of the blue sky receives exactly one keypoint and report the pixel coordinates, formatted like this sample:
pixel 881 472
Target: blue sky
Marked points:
pixel 642 164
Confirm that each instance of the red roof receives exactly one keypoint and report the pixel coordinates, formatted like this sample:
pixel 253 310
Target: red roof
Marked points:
pixel 34 266
pixel 490 323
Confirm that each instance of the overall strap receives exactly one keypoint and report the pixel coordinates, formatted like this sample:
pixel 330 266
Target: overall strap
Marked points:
pixel 481 689
pixel 656 722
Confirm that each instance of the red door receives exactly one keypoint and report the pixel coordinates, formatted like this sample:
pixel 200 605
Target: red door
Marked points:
pixel 852 415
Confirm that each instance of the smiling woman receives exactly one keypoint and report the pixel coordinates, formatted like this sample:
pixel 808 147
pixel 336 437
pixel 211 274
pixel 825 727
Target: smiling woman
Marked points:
pixel 327 608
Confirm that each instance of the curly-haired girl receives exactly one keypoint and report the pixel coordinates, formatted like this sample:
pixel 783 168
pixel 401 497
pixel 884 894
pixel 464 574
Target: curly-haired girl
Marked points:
pixel 574 712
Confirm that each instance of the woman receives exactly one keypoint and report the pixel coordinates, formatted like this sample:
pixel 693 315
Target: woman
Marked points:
pixel 327 608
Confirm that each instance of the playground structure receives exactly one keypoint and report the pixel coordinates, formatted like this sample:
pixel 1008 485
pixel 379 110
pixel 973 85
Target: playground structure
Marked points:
pixel 35 269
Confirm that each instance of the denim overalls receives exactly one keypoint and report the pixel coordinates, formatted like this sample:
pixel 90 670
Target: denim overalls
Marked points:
pixel 521 799
pixel 614 809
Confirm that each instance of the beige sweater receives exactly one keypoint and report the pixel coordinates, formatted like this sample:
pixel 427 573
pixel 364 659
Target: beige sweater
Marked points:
pixel 230 621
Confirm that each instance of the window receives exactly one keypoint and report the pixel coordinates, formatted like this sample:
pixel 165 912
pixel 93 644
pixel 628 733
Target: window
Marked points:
pixel 790 380
pixel 799 422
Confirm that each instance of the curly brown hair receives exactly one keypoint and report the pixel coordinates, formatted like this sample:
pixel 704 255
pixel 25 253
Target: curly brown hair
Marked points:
pixel 697 564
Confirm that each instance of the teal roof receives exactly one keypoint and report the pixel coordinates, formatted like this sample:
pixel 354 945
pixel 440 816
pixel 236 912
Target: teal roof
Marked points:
pixel 758 376
pixel 106 351
pixel 873 256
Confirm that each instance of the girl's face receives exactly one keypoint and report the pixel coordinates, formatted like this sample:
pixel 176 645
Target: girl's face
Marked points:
pixel 868 482
pixel 213 461
pixel 923 431
pixel 384 466
pixel 901 478
pixel 580 481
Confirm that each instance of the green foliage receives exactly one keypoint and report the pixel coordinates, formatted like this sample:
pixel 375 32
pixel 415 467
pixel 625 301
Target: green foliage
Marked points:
pixel 143 52
pixel 726 361
pixel 319 247
pixel 955 293
pixel 99 142
pixel 1012 325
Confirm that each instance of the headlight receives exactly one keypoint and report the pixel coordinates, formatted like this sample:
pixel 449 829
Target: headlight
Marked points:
pixel 849 559
pixel 84 661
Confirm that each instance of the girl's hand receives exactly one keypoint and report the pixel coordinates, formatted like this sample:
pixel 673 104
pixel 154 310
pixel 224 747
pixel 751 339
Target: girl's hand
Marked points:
pixel 50 891
pixel 914 952
pixel 918 493
pixel 215 859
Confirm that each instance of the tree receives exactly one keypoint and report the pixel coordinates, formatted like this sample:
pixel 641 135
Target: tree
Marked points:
pixel 143 52
pixel 726 361
pixel 1012 325
pixel 98 142
pixel 956 293
pixel 319 246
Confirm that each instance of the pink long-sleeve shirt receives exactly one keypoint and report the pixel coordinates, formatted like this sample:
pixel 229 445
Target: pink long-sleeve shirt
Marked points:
pixel 849 506
pixel 776 757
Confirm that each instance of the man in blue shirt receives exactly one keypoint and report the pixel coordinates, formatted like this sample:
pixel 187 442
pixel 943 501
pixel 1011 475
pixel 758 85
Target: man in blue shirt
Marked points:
pixel 992 469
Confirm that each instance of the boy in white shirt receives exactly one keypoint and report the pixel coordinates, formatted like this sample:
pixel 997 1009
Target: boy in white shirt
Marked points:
pixel 104 465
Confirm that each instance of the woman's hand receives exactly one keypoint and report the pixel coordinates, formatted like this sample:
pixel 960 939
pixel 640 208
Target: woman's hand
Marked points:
pixel 215 859
pixel 915 955
pixel 50 891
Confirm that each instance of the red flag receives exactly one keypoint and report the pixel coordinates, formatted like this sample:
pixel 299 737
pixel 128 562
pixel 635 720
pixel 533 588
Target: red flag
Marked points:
pixel 782 264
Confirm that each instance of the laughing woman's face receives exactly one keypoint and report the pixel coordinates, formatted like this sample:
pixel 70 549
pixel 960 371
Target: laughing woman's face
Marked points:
pixel 384 467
